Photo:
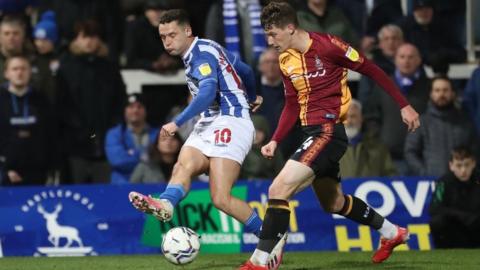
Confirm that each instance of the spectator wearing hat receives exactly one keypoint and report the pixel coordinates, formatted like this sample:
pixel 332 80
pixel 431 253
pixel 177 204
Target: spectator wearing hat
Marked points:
pixel 91 94
pixel 46 62
pixel 128 143
pixel 143 46
pixel 427 32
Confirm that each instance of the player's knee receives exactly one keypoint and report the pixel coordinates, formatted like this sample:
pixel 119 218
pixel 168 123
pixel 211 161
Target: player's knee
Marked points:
pixel 182 168
pixel 333 206
pixel 277 191
pixel 220 201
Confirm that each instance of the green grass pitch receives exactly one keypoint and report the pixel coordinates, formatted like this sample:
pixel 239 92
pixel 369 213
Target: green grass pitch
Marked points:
pixel 438 259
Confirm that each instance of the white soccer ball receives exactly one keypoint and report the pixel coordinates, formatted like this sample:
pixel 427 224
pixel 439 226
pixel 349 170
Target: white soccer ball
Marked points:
pixel 181 245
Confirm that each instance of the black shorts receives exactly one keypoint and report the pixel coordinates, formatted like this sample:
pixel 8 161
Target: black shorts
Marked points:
pixel 322 149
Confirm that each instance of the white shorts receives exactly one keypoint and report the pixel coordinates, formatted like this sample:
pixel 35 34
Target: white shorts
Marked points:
pixel 223 136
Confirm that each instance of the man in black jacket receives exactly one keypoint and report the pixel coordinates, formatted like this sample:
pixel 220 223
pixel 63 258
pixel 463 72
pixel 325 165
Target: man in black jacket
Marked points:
pixel 91 96
pixel 455 206
pixel 26 125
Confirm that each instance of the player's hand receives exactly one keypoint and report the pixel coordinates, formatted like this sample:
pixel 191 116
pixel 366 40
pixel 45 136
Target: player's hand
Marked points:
pixel 268 150
pixel 256 104
pixel 410 117
pixel 168 130
pixel 14 177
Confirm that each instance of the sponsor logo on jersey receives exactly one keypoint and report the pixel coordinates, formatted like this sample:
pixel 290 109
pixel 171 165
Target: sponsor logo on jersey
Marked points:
pixel 205 69
pixel 310 75
pixel 353 55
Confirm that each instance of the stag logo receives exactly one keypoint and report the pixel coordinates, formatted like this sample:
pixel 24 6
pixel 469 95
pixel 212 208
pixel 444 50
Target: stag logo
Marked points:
pixel 59 208
pixel 57 231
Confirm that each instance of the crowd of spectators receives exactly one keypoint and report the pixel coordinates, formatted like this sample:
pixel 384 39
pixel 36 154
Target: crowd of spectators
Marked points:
pixel 65 116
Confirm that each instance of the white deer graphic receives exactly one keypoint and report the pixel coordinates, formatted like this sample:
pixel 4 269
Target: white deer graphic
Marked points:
pixel 57 231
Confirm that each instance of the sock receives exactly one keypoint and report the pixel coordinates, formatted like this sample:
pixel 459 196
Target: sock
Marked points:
pixel 274 226
pixel 358 211
pixel 259 257
pixel 253 224
pixel 388 230
pixel 173 193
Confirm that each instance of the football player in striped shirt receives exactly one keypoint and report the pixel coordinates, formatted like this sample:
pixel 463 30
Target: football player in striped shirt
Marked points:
pixel 223 90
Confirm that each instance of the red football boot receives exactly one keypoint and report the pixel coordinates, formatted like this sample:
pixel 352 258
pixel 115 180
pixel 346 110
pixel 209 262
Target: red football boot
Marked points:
pixel 387 245
pixel 250 266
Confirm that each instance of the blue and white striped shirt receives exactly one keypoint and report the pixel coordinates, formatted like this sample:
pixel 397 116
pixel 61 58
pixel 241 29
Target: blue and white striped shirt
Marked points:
pixel 209 65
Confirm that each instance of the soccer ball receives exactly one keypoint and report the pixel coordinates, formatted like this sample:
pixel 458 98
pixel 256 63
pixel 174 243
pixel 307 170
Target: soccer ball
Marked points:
pixel 181 245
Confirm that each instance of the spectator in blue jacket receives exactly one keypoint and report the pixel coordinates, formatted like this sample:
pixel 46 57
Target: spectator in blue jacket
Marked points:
pixel 127 143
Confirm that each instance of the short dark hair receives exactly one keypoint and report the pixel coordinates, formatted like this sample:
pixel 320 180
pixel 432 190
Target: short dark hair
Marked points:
pixel 178 15
pixel 443 78
pixel 88 28
pixel 278 14
pixel 14 20
pixel 17 56
pixel 461 152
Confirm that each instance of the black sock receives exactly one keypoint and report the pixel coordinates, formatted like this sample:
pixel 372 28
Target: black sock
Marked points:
pixel 358 211
pixel 274 225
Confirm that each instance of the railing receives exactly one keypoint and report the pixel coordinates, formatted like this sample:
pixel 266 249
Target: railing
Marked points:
pixel 136 78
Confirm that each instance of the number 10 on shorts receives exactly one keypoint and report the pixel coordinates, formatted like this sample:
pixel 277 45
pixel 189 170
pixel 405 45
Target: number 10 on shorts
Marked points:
pixel 223 136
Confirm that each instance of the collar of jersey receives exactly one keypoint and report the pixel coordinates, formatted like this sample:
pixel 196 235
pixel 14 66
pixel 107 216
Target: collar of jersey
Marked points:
pixel 185 56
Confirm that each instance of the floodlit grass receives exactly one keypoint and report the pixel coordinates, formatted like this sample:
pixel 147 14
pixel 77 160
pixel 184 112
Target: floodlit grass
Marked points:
pixel 438 259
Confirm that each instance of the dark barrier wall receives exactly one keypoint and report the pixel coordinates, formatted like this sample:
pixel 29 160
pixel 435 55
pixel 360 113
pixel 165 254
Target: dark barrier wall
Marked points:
pixel 98 219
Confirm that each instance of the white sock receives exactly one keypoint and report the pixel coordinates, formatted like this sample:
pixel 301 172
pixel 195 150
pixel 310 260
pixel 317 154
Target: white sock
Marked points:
pixel 168 205
pixel 259 257
pixel 388 230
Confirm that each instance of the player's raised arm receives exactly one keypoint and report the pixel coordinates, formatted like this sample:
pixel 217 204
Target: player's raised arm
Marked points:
pixel 346 56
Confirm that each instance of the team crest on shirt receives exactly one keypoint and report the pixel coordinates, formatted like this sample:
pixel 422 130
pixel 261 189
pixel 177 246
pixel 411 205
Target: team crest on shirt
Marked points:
pixel 205 69
pixel 318 63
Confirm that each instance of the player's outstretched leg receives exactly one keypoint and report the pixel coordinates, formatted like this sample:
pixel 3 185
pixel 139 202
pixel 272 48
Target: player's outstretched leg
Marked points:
pixel 392 235
pixel 191 162
pixel 330 195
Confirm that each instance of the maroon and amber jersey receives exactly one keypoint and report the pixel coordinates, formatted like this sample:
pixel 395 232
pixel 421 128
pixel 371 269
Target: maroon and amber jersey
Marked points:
pixel 315 81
